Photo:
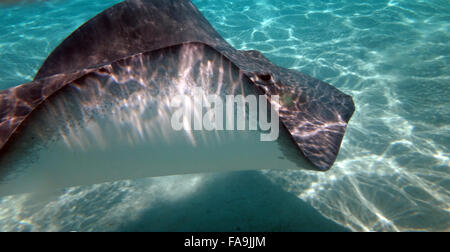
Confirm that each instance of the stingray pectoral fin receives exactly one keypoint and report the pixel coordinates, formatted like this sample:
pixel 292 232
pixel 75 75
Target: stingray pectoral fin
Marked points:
pixel 115 123
pixel 17 103
pixel 99 108
pixel 316 115
pixel 316 120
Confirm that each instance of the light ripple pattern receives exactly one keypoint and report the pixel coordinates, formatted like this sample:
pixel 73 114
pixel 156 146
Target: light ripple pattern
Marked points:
pixel 392 56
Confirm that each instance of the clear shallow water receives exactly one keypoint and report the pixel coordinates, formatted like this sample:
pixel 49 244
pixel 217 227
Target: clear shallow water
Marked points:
pixel 393 169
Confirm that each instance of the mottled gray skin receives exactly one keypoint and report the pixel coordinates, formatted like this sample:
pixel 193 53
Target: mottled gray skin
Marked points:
pixel 315 113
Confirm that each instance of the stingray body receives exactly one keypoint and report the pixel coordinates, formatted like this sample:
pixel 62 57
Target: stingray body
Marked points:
pixel 110 81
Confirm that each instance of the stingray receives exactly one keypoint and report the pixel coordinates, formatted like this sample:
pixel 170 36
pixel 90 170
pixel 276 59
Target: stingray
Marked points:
pixel 97 110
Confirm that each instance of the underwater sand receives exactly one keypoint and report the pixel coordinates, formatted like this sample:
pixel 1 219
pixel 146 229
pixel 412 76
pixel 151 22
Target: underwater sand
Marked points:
pixel 393 170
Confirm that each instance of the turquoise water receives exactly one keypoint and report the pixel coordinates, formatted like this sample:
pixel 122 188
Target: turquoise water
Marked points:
pixel 392 173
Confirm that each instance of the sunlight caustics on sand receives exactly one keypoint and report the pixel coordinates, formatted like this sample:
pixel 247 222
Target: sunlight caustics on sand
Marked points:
pixel 393 171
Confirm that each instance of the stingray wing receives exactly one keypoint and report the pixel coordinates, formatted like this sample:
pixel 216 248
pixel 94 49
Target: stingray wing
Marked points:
pixel 315 113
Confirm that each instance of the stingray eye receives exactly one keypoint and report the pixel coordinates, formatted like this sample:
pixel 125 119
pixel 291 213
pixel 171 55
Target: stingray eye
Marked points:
pixel 265 77
pixel 103 70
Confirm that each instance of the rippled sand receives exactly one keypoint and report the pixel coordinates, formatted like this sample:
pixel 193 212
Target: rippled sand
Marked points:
pixel 393 171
